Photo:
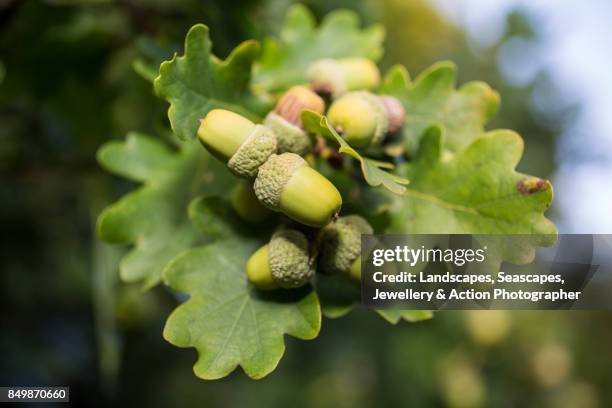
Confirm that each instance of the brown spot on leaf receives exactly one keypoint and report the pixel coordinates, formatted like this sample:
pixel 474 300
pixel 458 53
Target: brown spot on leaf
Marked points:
pixel 530 185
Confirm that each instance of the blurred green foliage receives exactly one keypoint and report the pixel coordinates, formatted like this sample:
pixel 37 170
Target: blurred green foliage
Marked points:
pixel 69 85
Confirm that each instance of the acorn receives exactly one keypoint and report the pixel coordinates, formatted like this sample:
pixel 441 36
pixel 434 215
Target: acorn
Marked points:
pixel 336 77
pixel 295 100
pixel 234 139
pixel 364 119
pixel 286 183
pixel 284 262
pixel 340 246
pixel 286 123
pixel 354 273
pixel 395 111
pixel 246 204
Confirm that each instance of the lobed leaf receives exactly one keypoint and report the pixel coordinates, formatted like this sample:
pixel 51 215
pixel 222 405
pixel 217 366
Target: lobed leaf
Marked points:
pixel 154 217
pixel 228 321
pixel 284 62
pixel 198 82
pixel 477 191
pixel 338 296
pixel 373 170
pixel 433 100
pixel 393 316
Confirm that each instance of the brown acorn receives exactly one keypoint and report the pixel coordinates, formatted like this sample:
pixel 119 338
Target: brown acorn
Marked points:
pixel 286 123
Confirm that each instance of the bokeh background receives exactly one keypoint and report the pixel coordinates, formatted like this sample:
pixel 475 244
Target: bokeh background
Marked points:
pixel 69 82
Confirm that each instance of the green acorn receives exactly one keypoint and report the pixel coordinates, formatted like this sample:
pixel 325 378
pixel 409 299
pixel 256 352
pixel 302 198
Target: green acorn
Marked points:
pixel 354 272
pixel 234 139
pixel 364 119
pixel 284 262
pixel 286 123
pixel 340 246
pixel 247 205
pixel 286 183
pixel 335 77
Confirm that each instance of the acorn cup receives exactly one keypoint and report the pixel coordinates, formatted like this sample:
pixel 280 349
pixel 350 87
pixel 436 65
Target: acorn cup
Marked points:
pixel 286 123
pixel 286 183
pixel 364 119
pixel 340 246
pixel 234 139
pixel 284 262
pixel 335 77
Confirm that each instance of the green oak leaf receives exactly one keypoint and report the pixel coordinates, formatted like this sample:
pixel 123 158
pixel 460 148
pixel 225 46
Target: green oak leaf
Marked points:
pixel 432 99
pixel 151 55
pixel 147 71
pixel 284 62
pixel 373 170
pixel 338 296
pixel 477 191
pixel 368 202
pixel 393 316
pixel 216 217
pixel 228 321
pixel 154 217
pixel 198 81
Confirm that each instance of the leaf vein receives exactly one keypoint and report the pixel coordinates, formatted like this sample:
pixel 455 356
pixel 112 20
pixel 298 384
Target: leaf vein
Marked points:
pixel 231 333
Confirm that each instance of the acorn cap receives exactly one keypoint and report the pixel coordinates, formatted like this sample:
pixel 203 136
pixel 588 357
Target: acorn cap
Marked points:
pixel 361 118
pixel 289 138
pixel 289 259
pixel 273 176
pixel 295 100
pixel 253 152
pixel 286 183
pixel 341 244
pixel 395 112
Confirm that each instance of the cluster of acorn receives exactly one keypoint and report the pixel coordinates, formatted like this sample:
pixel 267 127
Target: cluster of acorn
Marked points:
pixel 271 155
